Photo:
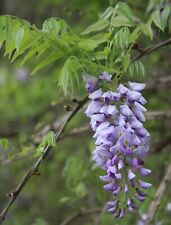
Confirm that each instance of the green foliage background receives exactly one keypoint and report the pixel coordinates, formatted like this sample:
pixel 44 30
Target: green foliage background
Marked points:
pixel 62 40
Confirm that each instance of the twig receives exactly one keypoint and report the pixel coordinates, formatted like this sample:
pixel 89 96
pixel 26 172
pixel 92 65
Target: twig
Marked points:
pixel 35 168
pixel 99 216
pixel 151 49
pixel 80 214
pixel 159 146
pixel 76 131
pixel 55 126
pixel 162 114
pixel 153 115
pixel 158 196
pixel 163 82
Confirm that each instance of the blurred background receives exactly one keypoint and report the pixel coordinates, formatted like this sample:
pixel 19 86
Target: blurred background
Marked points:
pixel 30 106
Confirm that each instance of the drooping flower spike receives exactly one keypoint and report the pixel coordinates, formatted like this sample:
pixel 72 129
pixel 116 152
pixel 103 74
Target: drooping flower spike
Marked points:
pixel 121 142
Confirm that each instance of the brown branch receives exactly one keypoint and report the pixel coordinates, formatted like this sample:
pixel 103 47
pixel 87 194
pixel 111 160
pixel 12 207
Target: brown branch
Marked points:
pixel 77 215
pixel 162 114
pixel 34 169
pixel 158 147
pixel 8 133
pixel 80 130
pixel 163 82
pixel 100 215
pixel 151 49
pixel 77 131
pixel 37 138
pixel 158 196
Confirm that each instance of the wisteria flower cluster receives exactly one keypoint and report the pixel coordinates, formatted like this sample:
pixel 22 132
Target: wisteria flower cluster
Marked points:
pixel 121 141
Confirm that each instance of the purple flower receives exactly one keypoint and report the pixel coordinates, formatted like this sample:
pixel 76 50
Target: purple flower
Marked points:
pixel 142 100
pixel 110 186
pixel 111 210
pixel 144 185
pixel 136 86
pixel 168 207
pixel 94 107
pixel 145 171
pixel 96 95
pixel 139 115
pixel 109 110
pixel 126 189
pixel 92 83
pixel 106 178
pixel 135 123
pixel 122 142
pixel 117 191
pixel 120 164
pixel 106 77
pixel 122 89
pixel 142 132
pixel 133 95
pixel 125 110
pixel 131 175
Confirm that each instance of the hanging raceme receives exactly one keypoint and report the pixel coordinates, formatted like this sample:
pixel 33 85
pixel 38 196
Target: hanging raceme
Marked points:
pixel 121 141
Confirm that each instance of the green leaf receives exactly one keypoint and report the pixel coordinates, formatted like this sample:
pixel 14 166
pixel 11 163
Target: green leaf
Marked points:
pixel 19 38
pixel 121 37
pixel 68 76
pixel 49 139
pixel 55 26
pixel 25 44
pixel 98 26
pixel 94 68
pixel 139 68
pixel 4 143
pixel 157 19
pixel 147 29
pixel 136 68
pixel 126 61
pixel 88 44
pixel 165 16
pixel 135 33
pixel 81 190
pixel 124 10
pixel 100 55
pixel 25 151
pixel 75 171
pixel 119 21
pixel 47 61
pixel 11 29
pixel 107 13
pixel 29 55
pixel 40 221
pixel 2 30
pixel 8 28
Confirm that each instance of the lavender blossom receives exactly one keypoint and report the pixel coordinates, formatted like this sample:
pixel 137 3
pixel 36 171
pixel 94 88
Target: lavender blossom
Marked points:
pixel 105 76
pixel 91 83
pixel 122 143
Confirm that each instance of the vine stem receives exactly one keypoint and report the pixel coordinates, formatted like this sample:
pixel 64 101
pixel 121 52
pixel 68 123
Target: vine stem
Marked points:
pixel 35 168
pixel 148 50
pixel 151 49
pixel 80 214
pixel 158 196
